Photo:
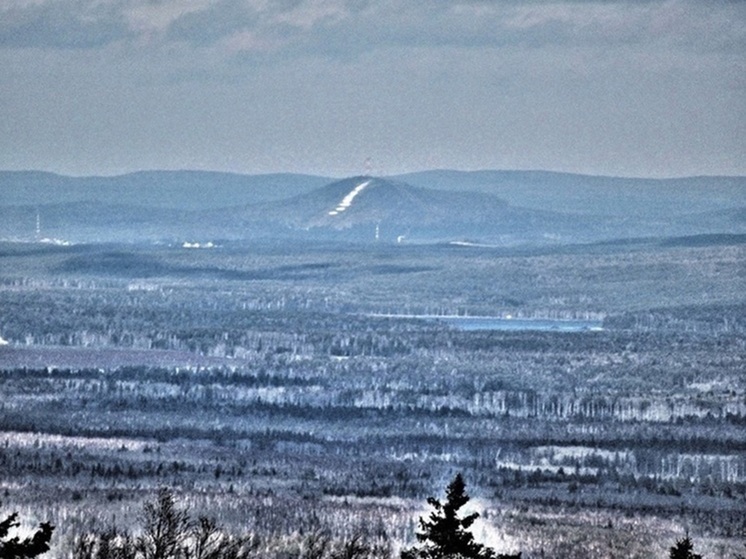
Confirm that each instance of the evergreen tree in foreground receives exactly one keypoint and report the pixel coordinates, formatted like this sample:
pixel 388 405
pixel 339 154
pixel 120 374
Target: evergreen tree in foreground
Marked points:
pixel 683 550
pixel 445 535
pixel 15 548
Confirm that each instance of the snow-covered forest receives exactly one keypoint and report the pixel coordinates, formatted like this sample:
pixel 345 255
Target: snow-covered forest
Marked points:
pixel 285 390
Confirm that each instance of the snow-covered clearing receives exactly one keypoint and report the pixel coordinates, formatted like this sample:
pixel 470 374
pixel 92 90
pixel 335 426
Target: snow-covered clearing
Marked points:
pixel 347 200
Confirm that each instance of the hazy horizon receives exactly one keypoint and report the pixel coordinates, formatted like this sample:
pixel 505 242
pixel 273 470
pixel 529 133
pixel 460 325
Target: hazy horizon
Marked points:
pixel 612 88
pixel 362 172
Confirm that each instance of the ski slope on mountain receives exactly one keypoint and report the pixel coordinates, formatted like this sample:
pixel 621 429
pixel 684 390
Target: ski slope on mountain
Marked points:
pixel 347 200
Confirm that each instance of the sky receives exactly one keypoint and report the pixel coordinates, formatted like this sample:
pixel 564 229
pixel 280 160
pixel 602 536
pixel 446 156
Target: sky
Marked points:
pixel 643 88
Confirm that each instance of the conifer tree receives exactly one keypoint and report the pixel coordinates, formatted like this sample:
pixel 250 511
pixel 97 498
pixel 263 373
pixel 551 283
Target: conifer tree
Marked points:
pixel 683 550
pixel 32 546
pixel 446 535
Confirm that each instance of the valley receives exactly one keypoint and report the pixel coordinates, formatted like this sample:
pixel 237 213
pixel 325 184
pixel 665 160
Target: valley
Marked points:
pixel 263 377
pixel 591 390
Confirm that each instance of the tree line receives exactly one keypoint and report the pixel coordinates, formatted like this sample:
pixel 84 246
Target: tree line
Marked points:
pixel 169 532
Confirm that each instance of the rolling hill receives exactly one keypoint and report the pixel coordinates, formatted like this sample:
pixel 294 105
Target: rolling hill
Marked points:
pixel 533 208
pixel 595 195
pixel 183 190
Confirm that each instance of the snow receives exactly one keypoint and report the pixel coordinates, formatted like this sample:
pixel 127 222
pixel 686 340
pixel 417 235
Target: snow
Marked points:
pixel 347 200
pixel 56 242
pixel 3 341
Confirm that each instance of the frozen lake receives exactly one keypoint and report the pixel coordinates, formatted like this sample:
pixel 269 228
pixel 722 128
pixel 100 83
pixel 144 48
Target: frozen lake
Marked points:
pixel 473 323
pixel 469 323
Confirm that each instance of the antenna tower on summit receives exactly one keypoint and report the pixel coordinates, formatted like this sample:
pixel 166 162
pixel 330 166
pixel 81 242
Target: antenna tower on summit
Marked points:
pixel 368 167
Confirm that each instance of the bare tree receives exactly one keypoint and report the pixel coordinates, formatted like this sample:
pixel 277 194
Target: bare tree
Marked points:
pixel 209 542
pixel 166 529
pixel 109 544
pixel 316 544
pixel 355 547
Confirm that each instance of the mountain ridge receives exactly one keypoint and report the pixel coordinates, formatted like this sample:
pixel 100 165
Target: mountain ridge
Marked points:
pixel 592 194
pixel 165 189
pixel 365 208
pixel 570 192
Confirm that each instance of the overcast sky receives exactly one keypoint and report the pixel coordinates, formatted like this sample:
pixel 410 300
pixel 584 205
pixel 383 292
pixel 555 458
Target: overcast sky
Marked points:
pixel 631 88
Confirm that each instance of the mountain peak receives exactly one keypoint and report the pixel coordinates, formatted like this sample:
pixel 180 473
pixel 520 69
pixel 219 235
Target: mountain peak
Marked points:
pixel 364 199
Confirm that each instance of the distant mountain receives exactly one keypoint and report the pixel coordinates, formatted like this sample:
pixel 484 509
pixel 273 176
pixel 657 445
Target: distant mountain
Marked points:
pixel 611 196
pixel 357 200
pixel 357 207
pixel 532 208
pixel 366 208
pixel 543 190
pixel 183 190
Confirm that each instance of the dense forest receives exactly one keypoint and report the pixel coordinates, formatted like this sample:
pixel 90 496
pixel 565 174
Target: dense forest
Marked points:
pixel 321 393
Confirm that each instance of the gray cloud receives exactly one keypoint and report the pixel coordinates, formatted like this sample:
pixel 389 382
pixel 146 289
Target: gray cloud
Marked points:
pixel 629 87
pixel 74 24
pixel 338 26
pixel 215 22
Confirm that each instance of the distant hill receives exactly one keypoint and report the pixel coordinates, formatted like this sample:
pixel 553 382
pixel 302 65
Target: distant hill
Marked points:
pixel 369 208
pixel 184 190
pixel 613 196
pixel 91 222
pixel 362 207
pixel 343 204
pixel 494 207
